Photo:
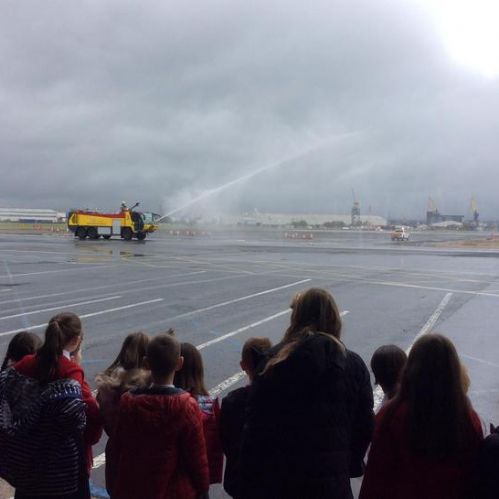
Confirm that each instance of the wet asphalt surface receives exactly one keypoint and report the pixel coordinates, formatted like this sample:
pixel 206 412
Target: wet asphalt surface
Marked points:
pixel 206 286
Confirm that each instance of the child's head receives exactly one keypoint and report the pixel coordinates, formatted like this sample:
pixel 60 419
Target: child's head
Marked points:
pixel 132 352
pixel 163 357
pixel 21 344
pixel 432 387
pixel 64 332
pixel 314 310
pixel 191 376
pixel 253 352
pixel 387 363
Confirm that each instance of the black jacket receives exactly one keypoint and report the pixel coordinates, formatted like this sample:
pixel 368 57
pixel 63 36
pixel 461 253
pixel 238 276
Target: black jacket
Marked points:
pixel 308 425
pixel 232 417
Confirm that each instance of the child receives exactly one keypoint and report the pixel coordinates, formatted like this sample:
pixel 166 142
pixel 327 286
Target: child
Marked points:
pixel 159 438
pixel 58 359
pixel 387 363
pixel 123 374
pixel 21 344
pixel 427 438
pixel 191 379
pixel 233 411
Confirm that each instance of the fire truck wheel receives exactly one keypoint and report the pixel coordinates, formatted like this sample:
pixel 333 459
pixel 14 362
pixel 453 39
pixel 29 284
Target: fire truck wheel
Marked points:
pixel 141 236
pixel 81 233
pixel 92 233
pixel 126 233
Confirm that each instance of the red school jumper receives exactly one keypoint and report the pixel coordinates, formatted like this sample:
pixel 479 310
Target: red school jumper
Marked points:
pixel 395 472
pixel 67 369
pixel 159 445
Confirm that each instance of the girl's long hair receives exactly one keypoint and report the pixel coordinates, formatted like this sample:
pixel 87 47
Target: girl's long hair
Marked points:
pixel 439 421
pixel 23 343
pixel 191 376
pixel 61 330
pixel 132 353
pixel 313 312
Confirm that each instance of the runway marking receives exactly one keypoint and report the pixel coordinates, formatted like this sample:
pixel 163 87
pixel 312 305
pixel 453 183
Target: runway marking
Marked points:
pixel 352 278
pixel 480 392
pixel 227 383
pixel 105 286
pixel 235 300
pixel 482 361
pixel 298 265
pixel 250 326
pixel 85 316
pixel 93 267
pixel 218 266
pixel 100 460
pixel 432 320
pixel 38 251
pixel 20 304
pixel 59 307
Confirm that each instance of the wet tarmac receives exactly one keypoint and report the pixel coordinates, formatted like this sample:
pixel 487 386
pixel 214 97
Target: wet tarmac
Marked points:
pixel 218 290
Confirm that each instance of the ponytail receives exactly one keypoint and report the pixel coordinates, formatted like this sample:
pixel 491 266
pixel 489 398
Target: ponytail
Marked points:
pixel 61 329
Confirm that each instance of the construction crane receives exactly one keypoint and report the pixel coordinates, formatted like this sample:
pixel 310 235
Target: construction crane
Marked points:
pixel 355 210
pixel 474 211
pixel 432 214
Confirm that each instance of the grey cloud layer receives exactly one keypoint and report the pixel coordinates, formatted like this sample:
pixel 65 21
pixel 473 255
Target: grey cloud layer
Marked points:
pixel 157 101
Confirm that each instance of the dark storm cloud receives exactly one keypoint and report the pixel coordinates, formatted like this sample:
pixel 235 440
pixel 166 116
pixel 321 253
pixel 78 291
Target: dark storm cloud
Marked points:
pixel 161 101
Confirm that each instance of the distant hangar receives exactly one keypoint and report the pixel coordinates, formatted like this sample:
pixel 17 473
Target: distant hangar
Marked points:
pixel 31 215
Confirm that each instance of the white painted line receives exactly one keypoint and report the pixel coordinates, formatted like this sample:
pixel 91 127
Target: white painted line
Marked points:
pixel 482 361
pixel 432 320
pixel 378 397
pixel 236 300
pixel 227 383
pixel 378 392
pixel 106 286
pixel 250 326
pixel 38 251
pixel 62 305
pixel 352 278
pixel 90 267
pixel 85 316
pixel 242 329
pixel 100 460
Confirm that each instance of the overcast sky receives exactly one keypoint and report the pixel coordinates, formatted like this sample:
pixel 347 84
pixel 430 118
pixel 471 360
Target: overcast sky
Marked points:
pixel 162 101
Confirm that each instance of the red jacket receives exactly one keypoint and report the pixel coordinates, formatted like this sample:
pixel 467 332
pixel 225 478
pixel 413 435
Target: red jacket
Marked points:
pixel 159 445
pixel 67 369
pixel 394 472
pixel 210 409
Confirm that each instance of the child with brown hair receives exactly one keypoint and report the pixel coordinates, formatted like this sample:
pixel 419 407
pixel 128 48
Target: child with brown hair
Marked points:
pixel 191 379
pixel 387 364
pixel 159 437
pixel 233 410
pixel 125 373
pixel 22 344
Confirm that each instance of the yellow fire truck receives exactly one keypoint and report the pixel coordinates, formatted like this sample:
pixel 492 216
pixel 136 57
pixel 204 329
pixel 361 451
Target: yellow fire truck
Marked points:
pixel 127 224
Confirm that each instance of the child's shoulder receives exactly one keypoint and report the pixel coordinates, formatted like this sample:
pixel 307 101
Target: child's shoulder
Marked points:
pixel 236 397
